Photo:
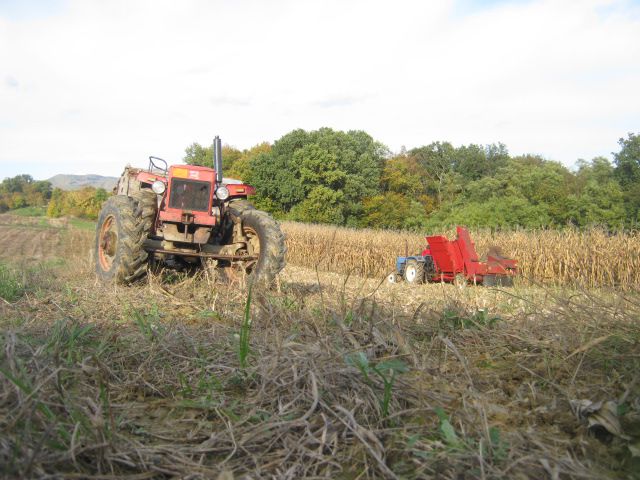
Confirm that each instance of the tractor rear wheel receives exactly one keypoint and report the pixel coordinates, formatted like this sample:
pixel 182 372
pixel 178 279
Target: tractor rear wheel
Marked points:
pixel 414 272
pixel 147 207
pixel 264 239
pixel 119 253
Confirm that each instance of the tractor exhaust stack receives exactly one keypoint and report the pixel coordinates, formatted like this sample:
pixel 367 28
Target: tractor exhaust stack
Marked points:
pixel 217 158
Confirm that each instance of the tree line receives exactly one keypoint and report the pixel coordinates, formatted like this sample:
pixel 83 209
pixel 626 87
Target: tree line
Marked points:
pixel 23 191
pixel 348 178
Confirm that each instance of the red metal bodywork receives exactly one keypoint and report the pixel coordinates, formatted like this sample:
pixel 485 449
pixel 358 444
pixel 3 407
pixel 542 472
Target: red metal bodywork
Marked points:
pixel 197 173
pixel 189 172
pixel 459 256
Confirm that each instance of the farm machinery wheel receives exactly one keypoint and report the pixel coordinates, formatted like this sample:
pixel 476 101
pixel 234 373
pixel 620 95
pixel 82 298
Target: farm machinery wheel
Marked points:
pixel 394 278
pixel 263 238
pixel 414 272
pixel 147 207
pixel 498 281
pixel 120 233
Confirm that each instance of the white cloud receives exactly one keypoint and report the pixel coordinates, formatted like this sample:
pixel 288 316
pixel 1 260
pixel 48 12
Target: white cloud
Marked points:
pixel 95 85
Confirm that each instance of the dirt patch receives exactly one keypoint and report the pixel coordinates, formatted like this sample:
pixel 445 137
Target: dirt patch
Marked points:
pixel 26 239
pixel 28 243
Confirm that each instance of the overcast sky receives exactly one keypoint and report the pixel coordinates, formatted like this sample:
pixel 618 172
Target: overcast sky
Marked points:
pixel 87 86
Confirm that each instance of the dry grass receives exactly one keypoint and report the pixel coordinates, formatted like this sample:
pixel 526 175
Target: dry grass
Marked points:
pixel 145 381
pixel 591 258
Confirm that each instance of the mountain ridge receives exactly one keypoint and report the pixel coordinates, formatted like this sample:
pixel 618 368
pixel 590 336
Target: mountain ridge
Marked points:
pixel 76 182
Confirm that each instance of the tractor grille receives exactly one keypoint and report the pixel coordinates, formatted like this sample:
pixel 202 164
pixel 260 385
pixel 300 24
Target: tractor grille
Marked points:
pixel 190 195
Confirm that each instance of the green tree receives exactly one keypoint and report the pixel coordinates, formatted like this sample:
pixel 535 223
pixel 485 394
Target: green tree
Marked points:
pixel 16 184
pixel 437 160
pixel 322 205
pixel 627 171
pixel 598 197
pixel 526 191
pixel 321 176
pixel 404 174
pixel 241 166
pixel 389 210
pixel 504 211
pixel 474 162
pixel 196 154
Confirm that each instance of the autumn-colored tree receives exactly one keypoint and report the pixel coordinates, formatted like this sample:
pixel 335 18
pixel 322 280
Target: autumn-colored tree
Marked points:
pixel 55 207
pixel 23 191
pixel 84 203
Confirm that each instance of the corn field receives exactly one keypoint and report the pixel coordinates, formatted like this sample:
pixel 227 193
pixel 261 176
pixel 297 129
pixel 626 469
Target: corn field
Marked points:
pixel 589 258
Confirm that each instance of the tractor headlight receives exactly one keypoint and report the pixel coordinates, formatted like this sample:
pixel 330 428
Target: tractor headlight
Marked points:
pixel 158 187
pixel 222 193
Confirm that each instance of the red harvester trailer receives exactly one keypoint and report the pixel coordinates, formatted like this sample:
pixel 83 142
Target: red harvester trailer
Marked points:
pixel 454 261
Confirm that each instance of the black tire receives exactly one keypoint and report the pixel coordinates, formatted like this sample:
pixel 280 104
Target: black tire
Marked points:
pixel 260 226
pixel 119 254
pixel 238 205
pixel 414 272
pixel 506 281
pixel 489 281
pixel 503 281
pixel 394 278
pixel 147 207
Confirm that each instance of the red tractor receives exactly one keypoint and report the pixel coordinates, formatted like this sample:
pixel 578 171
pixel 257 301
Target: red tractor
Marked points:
pixel 183 215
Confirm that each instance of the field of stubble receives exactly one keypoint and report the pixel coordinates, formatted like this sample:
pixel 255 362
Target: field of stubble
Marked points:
pixel 326 375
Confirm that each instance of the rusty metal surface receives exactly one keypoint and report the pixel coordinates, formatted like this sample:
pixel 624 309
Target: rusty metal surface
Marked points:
pixel 198 234
pixel 216 256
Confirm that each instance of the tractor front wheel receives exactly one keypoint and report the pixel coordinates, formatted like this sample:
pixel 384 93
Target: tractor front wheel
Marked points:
pixel 394 278
pixel 414 272
pixel 264 240
pixel 119 255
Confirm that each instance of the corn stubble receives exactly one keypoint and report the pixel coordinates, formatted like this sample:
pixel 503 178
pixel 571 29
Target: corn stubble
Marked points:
pixel 589 258
pixel 147 381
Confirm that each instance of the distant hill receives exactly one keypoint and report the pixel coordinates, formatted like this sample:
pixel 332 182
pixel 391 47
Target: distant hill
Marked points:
pixel 75 182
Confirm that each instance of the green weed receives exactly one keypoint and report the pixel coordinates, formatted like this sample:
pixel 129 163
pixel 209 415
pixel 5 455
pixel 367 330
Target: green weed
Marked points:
pixel 499 447
pixel 452 319
pixel 496 449
pixel 205 393
pixel 72 296
pixel 11 288
pixel 386 370
pixel 24 384
pixel 245 330
pixel 148 321
pixel 66 339
pixel 447 432
pixel 209 314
